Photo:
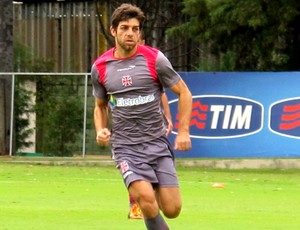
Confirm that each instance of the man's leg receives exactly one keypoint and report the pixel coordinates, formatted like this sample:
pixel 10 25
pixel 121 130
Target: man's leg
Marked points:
pixel 168 192
pixel 144 194
pixel 169 200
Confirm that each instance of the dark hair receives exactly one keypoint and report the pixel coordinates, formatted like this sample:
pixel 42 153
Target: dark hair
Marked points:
pixel 127 11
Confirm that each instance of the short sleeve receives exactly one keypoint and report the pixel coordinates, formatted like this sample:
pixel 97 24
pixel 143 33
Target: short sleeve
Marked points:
pixel 166 73
pixel 98 89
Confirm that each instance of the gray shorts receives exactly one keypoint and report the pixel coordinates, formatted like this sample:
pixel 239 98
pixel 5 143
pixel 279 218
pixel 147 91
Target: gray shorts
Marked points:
pixel 152 161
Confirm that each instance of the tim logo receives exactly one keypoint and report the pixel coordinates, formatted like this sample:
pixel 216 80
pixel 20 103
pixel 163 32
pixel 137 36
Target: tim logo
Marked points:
pixel 219 116
pixel 285 117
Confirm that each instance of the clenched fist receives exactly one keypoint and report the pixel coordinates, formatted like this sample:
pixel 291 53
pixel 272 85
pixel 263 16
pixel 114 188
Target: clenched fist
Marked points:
pixel 103 137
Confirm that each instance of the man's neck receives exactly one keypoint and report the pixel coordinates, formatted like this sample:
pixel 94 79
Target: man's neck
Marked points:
pixel 121 53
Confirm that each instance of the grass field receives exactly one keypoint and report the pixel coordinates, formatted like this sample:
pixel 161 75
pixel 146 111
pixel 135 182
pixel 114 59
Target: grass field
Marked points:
pixel 92 197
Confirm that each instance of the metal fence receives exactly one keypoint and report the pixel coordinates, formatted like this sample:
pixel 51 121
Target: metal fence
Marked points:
pixel 58 110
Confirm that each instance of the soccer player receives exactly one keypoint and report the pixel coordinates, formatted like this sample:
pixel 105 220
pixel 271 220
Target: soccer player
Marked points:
pixel 129 79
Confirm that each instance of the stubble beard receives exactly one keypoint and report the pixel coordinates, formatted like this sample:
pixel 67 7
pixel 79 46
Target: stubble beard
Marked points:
pixel 126 48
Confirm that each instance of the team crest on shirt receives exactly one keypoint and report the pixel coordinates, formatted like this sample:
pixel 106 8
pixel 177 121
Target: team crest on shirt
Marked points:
pixel 126 80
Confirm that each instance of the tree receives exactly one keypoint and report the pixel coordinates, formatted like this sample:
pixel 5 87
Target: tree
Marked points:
pixel 59 111
pixel 57 105
pixel 244 35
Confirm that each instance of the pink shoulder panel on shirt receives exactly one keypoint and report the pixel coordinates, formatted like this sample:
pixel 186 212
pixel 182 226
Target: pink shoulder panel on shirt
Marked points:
pixel 100 63
pixel 148 52
pixel 151 55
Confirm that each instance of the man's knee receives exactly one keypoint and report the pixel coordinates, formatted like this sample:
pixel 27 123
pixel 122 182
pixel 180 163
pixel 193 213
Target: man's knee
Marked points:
pixel 171 210
pixel 170 201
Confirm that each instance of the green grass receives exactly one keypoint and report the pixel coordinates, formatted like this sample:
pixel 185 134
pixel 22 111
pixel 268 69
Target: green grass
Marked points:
pixel 87 198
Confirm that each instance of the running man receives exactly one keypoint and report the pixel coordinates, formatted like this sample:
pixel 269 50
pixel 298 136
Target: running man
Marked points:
pixel 129 79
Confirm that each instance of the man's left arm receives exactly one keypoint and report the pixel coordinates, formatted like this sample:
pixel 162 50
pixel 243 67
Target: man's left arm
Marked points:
pixel 182 140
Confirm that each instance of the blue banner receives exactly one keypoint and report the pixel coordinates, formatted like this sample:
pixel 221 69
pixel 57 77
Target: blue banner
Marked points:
pixel 242 114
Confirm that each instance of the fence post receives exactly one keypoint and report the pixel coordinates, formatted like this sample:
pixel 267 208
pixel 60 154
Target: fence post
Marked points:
pixel 11 132
pixel 84 115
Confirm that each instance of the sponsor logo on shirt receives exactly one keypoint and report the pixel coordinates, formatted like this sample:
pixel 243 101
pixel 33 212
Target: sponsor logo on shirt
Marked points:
pixel 124 102
pixel 112 101
pixel 128 68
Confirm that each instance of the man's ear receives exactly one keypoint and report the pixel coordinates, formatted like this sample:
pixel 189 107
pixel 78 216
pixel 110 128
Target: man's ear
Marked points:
pixel 112 31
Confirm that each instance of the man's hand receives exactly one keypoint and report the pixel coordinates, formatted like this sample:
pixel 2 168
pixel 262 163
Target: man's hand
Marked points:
pixel 103 137
pixel 170 127
pixel 183 142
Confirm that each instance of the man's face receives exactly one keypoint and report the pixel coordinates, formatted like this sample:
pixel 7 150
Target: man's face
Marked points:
pixel 127 34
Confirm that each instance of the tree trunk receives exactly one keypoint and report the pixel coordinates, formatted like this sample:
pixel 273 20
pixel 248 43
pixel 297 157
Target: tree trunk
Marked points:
pixel 6 65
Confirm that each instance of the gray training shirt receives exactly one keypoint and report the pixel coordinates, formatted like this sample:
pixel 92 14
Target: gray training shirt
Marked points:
pixel 133 87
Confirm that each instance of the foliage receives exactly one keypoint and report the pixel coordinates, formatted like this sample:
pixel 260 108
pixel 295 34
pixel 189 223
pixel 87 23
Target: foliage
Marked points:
pixel 24 61
pixel 244 35
pixel 59 111
pixel 58 106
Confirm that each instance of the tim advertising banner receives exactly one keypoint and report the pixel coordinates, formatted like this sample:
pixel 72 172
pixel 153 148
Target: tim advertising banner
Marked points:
pixel 242 114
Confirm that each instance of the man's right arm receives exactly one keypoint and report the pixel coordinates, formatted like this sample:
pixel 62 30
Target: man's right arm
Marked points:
pixel 101 122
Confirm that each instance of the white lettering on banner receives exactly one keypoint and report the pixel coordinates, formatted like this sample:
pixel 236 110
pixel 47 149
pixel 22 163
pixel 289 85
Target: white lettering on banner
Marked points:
pixel 240 119
pixel 223 116
pixel 124 102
